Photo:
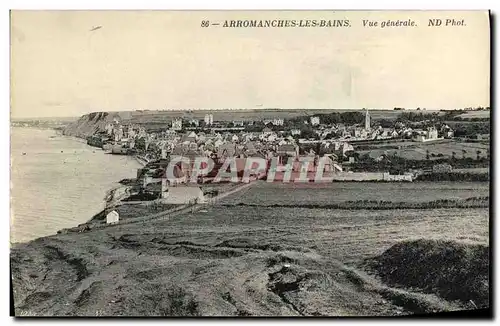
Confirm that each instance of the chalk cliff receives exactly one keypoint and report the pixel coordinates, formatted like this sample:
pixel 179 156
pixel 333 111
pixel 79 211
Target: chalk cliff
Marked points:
pixel 90 123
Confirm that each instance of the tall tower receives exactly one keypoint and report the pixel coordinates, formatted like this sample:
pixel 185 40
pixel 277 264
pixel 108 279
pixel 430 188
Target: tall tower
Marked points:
pixel 367 120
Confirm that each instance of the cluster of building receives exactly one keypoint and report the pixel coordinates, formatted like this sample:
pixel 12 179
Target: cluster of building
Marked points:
pixel 207 137
pixel 193 138
pixel 431 134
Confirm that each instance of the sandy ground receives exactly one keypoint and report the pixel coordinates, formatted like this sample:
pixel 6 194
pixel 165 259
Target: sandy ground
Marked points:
pixel 234 261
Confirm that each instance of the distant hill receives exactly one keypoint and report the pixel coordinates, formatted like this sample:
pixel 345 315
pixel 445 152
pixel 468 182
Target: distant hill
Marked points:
pixel 153 119
pixel 88 124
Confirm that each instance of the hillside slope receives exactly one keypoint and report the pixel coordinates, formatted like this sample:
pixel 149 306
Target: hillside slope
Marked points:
pixel 90 123
pixel 240 261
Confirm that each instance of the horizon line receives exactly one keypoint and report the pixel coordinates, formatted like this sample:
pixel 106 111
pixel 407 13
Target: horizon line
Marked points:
pixel 248 109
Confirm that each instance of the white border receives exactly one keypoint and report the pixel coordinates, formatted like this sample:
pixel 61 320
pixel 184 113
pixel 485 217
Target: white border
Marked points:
pixel 186 4
pixel 255 4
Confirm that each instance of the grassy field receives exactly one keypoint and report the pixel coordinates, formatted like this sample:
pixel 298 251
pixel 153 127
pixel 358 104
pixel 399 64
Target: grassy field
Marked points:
pixel 241 261
pixel 473 170
pixel 233 261
pixel 338 234
pixel 418 151
pixel 447 149
pixel 264 193
pixel 475 114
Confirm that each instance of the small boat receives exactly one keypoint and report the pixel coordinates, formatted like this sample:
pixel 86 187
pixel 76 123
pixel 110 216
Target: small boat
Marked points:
pixel 52 137
pixel 24 153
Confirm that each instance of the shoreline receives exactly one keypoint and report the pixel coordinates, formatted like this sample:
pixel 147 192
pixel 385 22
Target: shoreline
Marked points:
pixel 142 160
pixel 98 206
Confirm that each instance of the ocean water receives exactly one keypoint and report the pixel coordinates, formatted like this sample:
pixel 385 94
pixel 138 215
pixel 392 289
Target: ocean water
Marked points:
pixel 60 182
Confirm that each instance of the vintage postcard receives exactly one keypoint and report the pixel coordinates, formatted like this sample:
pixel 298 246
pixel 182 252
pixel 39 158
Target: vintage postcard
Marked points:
pixel 250 163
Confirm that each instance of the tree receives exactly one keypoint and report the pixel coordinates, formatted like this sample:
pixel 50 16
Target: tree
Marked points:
pixel 478 152
pixel 427 154
pixel 307 134
pixel 330 135
pixel 463 153
pixel 453 154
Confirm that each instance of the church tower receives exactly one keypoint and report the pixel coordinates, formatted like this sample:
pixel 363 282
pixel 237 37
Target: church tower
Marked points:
pixel 367 120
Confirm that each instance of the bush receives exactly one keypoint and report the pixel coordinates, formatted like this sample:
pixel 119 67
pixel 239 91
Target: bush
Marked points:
pixel 452 270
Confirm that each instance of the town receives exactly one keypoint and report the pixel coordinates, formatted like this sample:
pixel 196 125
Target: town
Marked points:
pixel 343 146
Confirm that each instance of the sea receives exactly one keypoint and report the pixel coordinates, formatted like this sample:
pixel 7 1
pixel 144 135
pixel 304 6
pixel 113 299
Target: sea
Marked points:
pixel 58 181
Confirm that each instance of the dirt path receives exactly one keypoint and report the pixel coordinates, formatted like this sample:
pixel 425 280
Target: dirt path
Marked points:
pixel 188 208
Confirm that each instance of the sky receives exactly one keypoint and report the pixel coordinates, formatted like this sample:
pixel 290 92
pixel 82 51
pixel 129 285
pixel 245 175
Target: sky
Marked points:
pixel 166 60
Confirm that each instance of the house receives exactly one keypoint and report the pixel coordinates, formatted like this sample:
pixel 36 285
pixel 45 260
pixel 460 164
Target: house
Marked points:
pixel 226 150
pixel 346 147
pixel 177 124
pixel 109 129
pixel 288 150
pixel 188 138
pixel 250 147
pixel 202 137
pixel 278 122
pixel 118 133
pixel 181 195
pixel 449 134
pixel 272 137
pixel 209 119
pixel 218 143
pixel 430 135
pixel 238 123
pixel 194 122
pixel 193 146
pixel 315 121
pixel 112 217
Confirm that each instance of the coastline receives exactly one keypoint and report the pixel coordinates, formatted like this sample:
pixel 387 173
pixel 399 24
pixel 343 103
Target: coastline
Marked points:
pixel 142 160
pixel 56 221
pixel 109 192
